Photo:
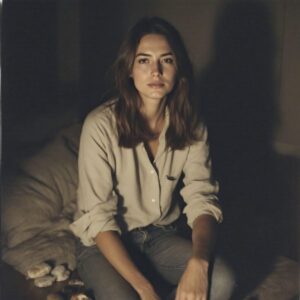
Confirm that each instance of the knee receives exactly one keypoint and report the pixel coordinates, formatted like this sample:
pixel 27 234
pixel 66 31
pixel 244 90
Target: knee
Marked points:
pixel 223 281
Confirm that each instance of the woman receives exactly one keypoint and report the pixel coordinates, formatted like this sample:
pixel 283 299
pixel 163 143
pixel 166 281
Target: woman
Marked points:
pixel 133 150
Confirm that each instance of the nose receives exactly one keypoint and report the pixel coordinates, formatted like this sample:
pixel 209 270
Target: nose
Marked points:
pixel 157 68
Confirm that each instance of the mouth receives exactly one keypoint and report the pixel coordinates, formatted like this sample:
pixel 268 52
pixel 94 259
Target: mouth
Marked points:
pixel 156 85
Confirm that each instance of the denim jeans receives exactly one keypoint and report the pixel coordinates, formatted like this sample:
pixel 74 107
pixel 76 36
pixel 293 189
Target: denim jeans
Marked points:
pixel 161 254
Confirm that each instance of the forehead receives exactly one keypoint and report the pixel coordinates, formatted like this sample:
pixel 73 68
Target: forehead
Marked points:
pixel 153 43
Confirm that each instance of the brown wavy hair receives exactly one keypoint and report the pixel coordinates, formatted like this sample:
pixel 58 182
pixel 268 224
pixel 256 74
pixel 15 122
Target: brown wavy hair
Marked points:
pixel 131 125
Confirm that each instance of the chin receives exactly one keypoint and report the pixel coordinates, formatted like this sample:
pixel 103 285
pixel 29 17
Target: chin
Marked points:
pixel 158 95
pixel 160 98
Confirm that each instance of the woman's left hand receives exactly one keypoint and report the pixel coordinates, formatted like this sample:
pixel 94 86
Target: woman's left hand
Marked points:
pixel 193 284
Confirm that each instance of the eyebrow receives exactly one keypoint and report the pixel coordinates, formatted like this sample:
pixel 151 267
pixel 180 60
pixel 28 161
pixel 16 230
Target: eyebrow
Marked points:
pixel 149 55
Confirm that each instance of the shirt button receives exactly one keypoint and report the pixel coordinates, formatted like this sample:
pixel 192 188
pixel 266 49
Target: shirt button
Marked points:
pixel 152 171
pixel 153 200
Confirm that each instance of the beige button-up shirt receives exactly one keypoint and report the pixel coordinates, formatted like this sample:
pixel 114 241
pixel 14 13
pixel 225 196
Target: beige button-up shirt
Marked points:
pixel 120 187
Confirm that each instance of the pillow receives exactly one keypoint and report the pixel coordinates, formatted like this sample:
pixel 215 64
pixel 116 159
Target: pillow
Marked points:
pixel 43 195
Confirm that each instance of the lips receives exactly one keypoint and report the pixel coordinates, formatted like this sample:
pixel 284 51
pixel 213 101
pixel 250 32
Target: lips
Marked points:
pixel 156 84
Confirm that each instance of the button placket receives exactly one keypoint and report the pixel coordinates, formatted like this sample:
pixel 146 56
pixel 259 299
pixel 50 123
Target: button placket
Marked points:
pixel 154 178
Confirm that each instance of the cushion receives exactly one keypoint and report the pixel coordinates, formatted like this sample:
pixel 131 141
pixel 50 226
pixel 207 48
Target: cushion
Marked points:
pixel 38 204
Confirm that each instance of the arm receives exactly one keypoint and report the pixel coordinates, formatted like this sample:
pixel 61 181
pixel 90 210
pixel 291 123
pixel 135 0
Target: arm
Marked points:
pixel 203 237
pixel 113 249
pixel 194 281
pixel 203 212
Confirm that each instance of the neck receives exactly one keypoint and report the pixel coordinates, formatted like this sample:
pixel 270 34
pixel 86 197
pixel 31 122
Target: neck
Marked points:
pixel 154 113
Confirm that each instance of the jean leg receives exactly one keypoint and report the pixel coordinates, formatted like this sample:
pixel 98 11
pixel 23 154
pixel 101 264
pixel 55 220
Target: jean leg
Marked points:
pixel 169 254
pixel 99 276
pixel 222 281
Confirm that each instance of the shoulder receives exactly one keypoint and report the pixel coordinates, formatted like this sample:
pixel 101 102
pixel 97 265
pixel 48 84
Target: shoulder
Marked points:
pixel 201 132
pixel 102 118
pixel 102 113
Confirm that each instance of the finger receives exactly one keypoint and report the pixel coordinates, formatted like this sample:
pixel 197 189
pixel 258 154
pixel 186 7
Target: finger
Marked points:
pixel 203 296
pixel 191 296
pixel 181 295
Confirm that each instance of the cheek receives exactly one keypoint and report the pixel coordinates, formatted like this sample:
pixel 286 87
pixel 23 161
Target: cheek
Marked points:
pixel 139 68
pixel 170 72
pixel 137 78
pixel 138 72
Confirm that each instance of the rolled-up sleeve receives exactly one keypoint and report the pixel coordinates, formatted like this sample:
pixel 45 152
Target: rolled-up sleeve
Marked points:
pixel 97 202
pixel 200 191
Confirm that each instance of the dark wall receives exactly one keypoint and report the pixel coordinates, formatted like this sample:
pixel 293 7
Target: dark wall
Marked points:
pixel 40 92
pixel 101 33
pixel 29 72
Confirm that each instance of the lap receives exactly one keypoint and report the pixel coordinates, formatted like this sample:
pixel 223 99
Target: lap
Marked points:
pixel 165 251
pixel 169 254
pixel 99 276
pixel 166 255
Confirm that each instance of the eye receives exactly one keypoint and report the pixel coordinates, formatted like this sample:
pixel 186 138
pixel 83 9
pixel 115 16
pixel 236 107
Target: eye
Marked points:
pixel 168 60
pixel 143 60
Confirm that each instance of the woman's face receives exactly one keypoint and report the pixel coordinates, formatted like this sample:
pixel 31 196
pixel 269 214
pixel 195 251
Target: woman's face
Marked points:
pixel 154 68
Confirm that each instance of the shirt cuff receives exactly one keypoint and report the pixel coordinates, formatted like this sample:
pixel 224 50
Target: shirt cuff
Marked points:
pixel 208 207
pixel 90 224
